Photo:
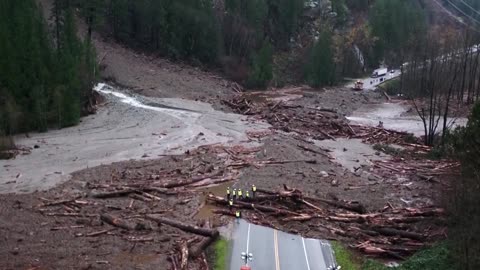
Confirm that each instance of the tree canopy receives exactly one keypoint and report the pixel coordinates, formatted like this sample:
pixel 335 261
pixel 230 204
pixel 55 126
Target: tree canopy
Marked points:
pixel 41 84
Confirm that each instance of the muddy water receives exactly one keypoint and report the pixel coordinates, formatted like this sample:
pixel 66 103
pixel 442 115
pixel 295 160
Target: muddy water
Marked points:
pixel 205 212
pixel 351 153
pixel 395 116
pixel 127 127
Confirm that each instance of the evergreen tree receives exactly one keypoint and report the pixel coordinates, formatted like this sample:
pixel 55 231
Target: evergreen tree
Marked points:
pixel 397 25
pixel 261 72
pixel 321 67
pixel 41 83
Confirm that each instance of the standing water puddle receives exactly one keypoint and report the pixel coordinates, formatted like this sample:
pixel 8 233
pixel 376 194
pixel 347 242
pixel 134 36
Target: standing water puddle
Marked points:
pixel 395 116
pixel 205 211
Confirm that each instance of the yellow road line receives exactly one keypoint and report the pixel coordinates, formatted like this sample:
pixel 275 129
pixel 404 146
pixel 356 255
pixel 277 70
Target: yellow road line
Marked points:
pixel 275 242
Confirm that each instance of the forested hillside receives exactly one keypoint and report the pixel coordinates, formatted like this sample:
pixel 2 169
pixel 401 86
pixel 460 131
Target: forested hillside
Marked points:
pixel 45 79
pixel 49 71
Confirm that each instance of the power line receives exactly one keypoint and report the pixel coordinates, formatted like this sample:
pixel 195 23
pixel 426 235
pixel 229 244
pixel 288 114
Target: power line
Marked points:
pixel 463 12
pixel 468 5
pixel 457 19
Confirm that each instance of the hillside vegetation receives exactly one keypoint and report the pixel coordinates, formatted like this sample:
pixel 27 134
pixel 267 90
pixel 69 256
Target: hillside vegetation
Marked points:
pixel 46 81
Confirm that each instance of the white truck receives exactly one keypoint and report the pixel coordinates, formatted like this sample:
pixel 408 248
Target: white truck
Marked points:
pixel 379 72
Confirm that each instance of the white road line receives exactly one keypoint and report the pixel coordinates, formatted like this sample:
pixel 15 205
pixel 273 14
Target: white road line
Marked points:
pixel 305 250
pixel 248 237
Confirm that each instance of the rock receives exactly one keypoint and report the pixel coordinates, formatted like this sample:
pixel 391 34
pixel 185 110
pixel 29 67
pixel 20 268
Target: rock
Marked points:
pixel 334 183
pixel 324 174
pixel 36 146
pixel 14 251
pixel 358 173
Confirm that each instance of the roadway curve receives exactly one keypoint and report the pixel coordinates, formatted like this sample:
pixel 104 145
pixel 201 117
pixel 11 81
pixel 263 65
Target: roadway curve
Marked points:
pixel 276 250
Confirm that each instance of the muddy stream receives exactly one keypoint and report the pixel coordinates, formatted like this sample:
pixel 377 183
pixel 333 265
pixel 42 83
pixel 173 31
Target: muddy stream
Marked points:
pixel 126 127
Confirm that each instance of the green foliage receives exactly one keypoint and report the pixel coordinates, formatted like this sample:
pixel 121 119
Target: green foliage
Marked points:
pixel 193 29
pixel 181 29
pixel 340 7
pixel 344 258
pixel 358 5
pixel 392 87
pixel 40 85
pixel 397 24
pixel 261 72
pixel 321 67
pixel 465 194
pixel 437 257
pixel 284 16
pixel 221 254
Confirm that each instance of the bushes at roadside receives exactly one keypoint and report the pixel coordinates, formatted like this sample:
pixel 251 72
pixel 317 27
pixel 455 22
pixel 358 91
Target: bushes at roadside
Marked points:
pixel 437 257
pixel 464 208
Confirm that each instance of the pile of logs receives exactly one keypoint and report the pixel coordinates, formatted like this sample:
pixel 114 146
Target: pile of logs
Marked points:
pixel 134 201
pixel 318 123
pixel 424 169
pixel 391 232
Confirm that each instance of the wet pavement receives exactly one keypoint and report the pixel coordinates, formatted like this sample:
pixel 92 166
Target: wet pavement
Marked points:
pixel 372 83
pixel 275 250
pixel 127 127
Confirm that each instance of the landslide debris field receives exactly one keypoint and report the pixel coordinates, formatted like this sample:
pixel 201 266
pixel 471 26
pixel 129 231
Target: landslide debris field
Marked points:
pixel 166 211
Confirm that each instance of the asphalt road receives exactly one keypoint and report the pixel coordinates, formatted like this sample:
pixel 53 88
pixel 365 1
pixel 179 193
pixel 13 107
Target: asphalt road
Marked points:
pixel 372 83
pixel 276 250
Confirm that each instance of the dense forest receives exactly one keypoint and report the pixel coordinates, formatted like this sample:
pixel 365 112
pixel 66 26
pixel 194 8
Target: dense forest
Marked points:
pixel 48 71
pixel 237 35
pixel 46 78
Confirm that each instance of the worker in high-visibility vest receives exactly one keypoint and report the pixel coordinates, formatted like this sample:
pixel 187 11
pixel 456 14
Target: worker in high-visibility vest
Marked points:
pixel 247 195
pixel 230 204
pixel 240 195
pixel 234 193
pixel 254 190
pixel 228 193
pixel 238 214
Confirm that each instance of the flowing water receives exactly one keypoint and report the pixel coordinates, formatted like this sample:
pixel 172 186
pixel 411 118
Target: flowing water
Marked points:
pixel 126 127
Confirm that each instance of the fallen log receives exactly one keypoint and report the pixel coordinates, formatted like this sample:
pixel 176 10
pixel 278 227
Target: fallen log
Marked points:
pixel 121 223
pixel 312 150
pixel 327 135
pixel 204 262
pixel 350 206
pixel 372 250
pixel 190 181
pixel 184 227
pixel 274 162
pixel 240 204
pixel 113 194
pixel 92 234
pixel 402 233
pixel 201 247
pixel 173 261
pixel 184 255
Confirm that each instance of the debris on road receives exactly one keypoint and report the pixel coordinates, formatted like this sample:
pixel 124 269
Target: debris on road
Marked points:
pixel 392 232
